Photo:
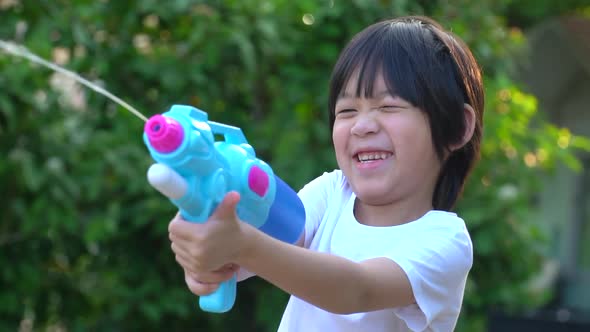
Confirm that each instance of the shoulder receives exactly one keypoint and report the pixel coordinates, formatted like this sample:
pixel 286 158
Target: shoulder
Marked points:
pixel 442 220
pixel 438 247
pixel 444 232
pixel 333 179
pixel 327 185
pixel 440 225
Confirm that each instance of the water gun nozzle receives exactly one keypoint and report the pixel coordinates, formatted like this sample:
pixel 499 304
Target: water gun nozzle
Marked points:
pixel 164 133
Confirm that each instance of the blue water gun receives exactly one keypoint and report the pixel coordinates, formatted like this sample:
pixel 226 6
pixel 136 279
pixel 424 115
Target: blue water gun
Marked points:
pixel 195 172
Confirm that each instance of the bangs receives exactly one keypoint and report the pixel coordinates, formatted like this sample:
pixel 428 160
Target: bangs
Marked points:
pixel 380 51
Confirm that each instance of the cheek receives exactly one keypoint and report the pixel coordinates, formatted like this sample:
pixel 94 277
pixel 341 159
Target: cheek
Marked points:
pixel 337 133
pixel 339 138
pixel 412 138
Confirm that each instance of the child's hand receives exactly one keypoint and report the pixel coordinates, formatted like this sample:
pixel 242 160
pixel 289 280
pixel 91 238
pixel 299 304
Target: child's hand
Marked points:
pixel 206 247
pixel 207 283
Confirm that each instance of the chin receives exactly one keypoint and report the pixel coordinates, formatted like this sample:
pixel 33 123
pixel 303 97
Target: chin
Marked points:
pixel 373 198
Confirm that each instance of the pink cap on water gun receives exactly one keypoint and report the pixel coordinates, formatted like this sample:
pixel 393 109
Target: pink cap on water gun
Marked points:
pixel 165 134
pixel 258 181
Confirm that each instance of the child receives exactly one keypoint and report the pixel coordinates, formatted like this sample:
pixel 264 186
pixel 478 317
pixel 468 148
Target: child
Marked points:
pixel 380 250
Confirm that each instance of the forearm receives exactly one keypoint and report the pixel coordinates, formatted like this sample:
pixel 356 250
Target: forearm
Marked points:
pixel 244 274
pixel 327 281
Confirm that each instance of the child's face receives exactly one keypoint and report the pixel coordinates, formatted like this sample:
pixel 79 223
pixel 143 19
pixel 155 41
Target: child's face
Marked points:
pixel 383 146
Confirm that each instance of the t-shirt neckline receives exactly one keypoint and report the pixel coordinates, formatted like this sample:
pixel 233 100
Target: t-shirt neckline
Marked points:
pixel 349 209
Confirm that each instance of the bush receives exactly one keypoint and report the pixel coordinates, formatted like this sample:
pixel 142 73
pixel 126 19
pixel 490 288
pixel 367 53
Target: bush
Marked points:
pixel 83 236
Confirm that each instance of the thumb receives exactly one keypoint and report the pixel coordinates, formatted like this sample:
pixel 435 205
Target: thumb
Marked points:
pixel 227 207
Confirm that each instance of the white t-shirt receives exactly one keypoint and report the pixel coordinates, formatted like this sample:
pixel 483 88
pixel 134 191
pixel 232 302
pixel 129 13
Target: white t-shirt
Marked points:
pixel 434 251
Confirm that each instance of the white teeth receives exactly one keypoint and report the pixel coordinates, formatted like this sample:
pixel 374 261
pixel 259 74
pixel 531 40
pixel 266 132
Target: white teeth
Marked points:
pixel 365 157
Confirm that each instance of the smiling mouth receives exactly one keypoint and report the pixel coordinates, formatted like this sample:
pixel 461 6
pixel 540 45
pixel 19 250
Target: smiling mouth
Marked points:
pixel 367 157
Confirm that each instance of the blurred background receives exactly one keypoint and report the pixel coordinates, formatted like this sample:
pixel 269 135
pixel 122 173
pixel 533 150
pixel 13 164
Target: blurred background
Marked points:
pixel 83 237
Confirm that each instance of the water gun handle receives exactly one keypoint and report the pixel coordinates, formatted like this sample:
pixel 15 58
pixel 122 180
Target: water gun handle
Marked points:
pixel 175 187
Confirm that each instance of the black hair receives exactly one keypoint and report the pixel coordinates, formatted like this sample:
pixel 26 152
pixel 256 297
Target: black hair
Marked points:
pixel 433 70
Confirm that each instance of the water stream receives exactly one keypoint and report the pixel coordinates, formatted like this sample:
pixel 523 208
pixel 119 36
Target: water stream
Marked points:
pixel 20 51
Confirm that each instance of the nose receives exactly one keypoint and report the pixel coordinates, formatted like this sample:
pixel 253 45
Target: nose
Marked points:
pixel 364 124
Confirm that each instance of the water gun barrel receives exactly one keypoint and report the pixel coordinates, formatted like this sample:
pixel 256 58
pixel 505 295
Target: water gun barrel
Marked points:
pixel 195 173
pixel 286 217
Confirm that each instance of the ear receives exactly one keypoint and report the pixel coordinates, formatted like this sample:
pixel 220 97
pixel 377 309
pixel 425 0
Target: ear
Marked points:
pixel 469 127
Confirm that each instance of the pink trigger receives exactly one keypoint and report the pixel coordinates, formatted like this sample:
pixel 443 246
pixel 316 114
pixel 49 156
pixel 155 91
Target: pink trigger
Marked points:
pixel 258 181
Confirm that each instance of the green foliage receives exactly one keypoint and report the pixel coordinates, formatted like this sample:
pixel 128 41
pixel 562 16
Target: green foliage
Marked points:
pixel 510 245
pixel 83 237
pixel 528 12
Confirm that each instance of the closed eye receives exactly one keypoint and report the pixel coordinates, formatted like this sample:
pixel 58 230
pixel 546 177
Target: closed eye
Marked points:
pixel 345 112
pixel 392 108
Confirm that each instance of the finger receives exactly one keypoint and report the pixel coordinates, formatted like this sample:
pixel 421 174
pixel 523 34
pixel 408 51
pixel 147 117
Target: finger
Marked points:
pixel 199 288
pixel 224 273
pixel 179 228
pixel 227 208
pixel 214 277
pixel 185 260
pixel 182 245
pixel 191 262
pixel 179 249
pixel 231 267
pixel 188 264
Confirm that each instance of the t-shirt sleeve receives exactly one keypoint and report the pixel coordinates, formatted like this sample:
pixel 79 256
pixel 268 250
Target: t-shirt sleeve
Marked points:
pixel 315 196
pixel 437 273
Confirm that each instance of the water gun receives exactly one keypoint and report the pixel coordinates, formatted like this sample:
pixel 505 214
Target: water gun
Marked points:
pixel 195 172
